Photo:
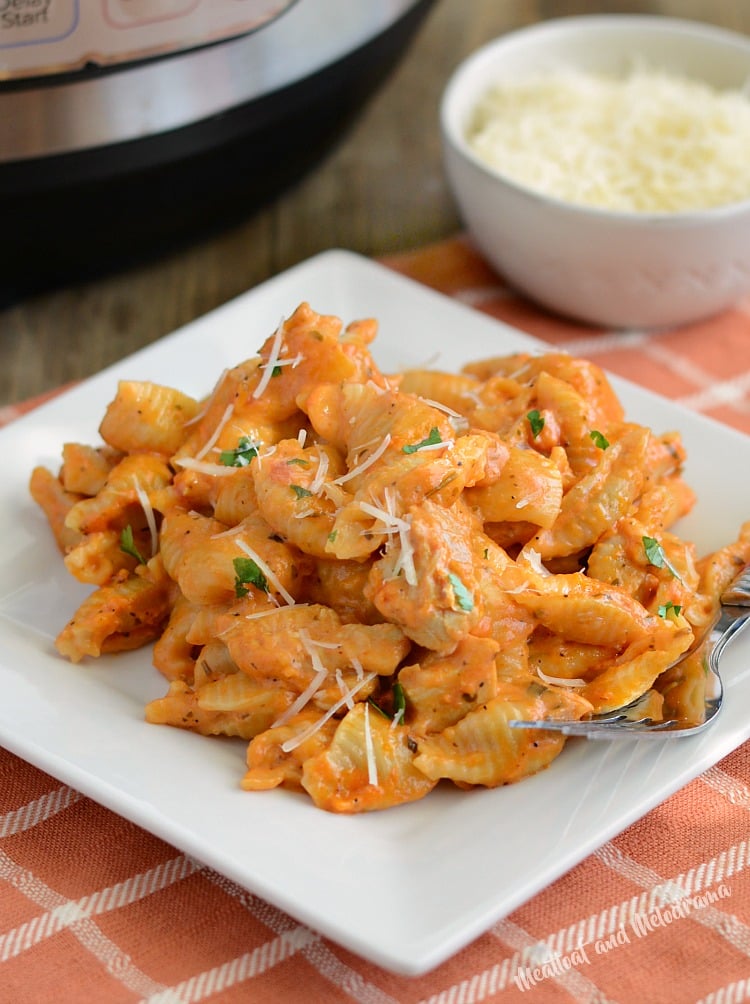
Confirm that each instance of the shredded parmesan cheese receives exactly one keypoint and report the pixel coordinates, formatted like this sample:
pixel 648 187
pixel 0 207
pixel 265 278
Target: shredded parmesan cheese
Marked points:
pixel 216 433
pixel 444 444
pixel 313 686
pixel 304 734
pixel 344 689
pixel 560 681
pixel 459 421
pixel 392 523
pixel 372 767
pixel 406 556
pixel 650 142
pixel 204 410
pixel 204 467
pixel 534 559
pixel 320 475
pixel 149 514
pixel 367 462
pixel 265 613
pixel 273 358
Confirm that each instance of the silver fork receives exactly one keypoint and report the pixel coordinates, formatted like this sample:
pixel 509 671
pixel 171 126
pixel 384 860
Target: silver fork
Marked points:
pixel 630 722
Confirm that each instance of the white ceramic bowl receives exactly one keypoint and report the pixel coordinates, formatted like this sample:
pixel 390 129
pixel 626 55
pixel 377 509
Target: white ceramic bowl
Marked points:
pixel 615 269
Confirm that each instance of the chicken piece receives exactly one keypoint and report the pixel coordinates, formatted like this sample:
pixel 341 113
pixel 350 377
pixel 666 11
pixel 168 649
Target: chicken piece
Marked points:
pixel 432 596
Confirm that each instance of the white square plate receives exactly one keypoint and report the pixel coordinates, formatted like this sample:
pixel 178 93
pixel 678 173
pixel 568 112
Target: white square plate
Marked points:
pixel 407 887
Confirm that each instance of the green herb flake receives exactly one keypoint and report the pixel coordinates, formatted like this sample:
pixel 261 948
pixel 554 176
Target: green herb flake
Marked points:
pixel 241 455
pixel 300 461
pixel 599 439
pixel 655 556
pixel 375 706
pixel 332 536
pixel 300 492
pixel 669 609
pixel 399 703
pixel 276 371
pixel 536 421
pixel 463 597
pixel 127 545
pixel 247 574
pixel 432 440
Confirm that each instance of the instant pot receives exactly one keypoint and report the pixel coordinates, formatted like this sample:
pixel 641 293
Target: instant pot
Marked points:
pixel 129 125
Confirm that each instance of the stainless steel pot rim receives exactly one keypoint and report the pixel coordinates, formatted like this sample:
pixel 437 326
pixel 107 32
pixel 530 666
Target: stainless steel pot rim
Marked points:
pixel 138 101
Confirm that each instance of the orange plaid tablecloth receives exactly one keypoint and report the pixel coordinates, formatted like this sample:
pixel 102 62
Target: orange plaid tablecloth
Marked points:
pixel 94 910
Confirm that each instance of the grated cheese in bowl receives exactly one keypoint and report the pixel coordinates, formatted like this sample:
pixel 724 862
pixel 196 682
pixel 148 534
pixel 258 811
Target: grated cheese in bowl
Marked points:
pixel 649 142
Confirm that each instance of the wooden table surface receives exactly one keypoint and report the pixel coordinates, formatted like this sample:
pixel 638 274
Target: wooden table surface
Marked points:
pixel 380 189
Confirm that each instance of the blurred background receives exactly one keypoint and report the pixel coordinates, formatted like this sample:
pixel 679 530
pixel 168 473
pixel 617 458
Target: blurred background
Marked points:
pixel 89 275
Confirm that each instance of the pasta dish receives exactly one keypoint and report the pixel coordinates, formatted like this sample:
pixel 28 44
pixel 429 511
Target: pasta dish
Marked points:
pixel 367 576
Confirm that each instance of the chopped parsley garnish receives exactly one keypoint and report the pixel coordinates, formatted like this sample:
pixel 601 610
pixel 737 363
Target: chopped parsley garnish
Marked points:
pixel 399 703
pixel 599 439
pixel 247 574
pixel 376 707
pixel 463 597
pixel 332 535
pixel 300 492
pixel 299 460
pixel 432 440
pixel 241 455
pixel 536 421
pixel 655 556
pixel 276 371
pixel 127 545
pixel 669 609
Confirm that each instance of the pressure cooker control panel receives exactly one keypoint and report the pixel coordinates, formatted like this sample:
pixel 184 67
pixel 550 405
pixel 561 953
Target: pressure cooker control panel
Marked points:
pixel 40 37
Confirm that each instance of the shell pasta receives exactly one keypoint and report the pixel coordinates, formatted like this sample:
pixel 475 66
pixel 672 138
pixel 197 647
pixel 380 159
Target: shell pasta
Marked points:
pixel 366 576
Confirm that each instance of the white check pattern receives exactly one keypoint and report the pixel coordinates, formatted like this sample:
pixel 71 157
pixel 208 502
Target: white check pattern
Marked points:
pixel 287 938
